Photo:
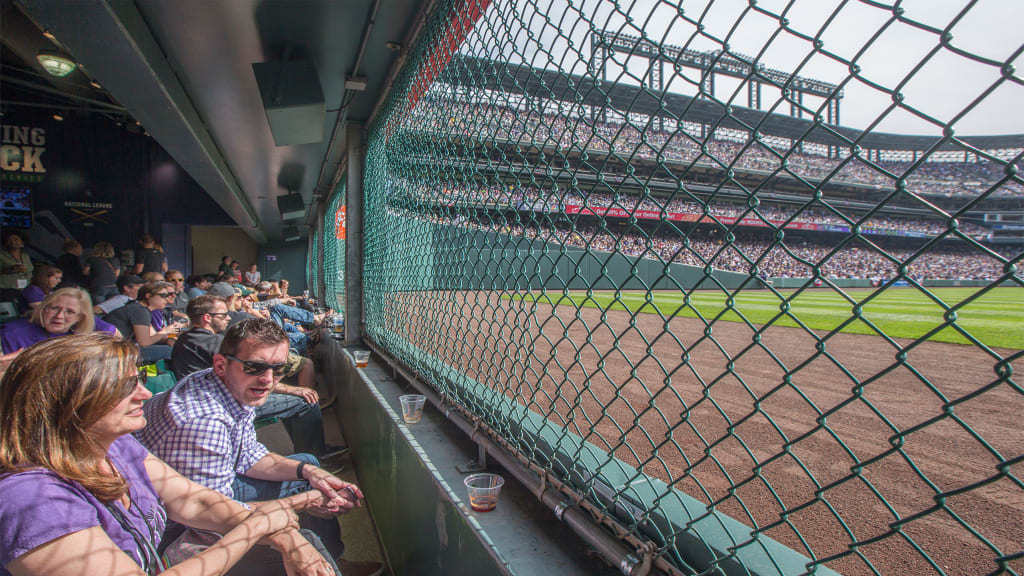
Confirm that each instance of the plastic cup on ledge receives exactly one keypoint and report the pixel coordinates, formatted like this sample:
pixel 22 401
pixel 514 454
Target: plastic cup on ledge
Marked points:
pixel 483 491
pixel 412 407
pixel 362 357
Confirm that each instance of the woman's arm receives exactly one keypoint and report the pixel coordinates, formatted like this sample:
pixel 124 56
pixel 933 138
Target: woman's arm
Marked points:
pixel 145 335
pixel 199 507
pixel 91 551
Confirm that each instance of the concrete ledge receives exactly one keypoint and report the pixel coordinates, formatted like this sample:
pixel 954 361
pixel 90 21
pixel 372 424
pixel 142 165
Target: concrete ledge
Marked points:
pixel 416 495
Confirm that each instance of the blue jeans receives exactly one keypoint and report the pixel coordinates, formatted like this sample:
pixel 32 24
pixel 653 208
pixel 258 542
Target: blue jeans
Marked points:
pixel 281 311
pixel 302 420
pixel 252 490
pixel 298 341
pixel 150 354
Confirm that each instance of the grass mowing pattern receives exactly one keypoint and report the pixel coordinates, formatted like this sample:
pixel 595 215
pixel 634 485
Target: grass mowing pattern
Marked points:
pixel 995 318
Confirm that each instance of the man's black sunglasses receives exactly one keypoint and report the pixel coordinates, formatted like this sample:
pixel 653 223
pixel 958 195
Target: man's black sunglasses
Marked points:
pixel 255 368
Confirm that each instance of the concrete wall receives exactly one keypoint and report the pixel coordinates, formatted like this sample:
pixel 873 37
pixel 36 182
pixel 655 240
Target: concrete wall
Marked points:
pixel 210 243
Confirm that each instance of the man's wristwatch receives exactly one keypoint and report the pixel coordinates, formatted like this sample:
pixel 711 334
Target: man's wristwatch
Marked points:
pixel 298 471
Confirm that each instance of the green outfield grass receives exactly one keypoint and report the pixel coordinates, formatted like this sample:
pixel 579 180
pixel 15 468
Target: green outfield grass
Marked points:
pixel 995 318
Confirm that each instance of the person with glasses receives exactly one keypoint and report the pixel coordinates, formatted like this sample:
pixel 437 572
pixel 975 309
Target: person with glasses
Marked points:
pixel 178 306
pixel 297 406
pixel 144 323
pixel 64 311
pixel 82 496
pixel 203 428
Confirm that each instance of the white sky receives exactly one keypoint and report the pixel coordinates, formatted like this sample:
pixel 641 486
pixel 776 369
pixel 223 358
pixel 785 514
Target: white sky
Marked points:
pixel 943 88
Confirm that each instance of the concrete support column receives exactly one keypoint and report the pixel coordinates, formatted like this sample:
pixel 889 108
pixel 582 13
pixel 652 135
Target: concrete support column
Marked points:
pixel 354 322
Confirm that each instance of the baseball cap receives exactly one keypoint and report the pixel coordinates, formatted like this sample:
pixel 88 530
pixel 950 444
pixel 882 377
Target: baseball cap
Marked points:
pixel 129 280
pixel 221 290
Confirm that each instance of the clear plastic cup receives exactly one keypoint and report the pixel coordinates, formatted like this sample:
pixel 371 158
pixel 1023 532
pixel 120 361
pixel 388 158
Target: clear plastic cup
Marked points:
pixel 362 357
pixel 338 326
pixel 412 407
pixel 483 491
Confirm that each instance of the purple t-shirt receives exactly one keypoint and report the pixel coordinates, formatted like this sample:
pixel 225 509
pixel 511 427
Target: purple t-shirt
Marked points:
pixel 22 333
pixel 33 293
pixel 158 319
pixel 39 506
pixel 104 326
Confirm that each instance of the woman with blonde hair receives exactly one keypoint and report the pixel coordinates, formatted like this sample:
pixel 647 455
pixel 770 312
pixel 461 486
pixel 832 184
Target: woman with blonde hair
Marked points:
pixel 83 496
pixel 103 270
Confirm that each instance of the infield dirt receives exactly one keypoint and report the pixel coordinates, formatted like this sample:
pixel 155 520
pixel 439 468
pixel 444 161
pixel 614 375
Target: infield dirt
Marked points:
pixel 704 409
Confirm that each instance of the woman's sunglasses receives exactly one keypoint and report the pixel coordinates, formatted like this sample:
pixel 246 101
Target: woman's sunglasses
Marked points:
pixel 255 368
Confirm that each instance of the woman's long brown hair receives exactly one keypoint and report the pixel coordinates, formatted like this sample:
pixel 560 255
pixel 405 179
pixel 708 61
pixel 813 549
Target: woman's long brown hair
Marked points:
pixel 51 395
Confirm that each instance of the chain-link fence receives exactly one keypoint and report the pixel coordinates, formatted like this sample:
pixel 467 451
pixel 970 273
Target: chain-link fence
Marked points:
pixel 334 250
pixel 313 271
pixel 639 242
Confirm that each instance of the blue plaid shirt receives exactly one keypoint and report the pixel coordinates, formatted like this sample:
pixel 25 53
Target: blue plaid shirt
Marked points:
pixel 201 431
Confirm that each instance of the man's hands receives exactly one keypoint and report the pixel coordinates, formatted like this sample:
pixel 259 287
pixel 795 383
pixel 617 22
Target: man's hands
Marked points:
pixel 338 496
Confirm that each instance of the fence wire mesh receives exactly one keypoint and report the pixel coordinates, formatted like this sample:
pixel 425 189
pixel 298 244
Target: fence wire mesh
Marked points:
pixel 334 251
pixel 639 242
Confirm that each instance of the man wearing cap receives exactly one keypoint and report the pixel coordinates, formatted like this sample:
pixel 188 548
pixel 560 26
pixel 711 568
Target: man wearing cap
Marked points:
pixel 298 340
pixel 128 286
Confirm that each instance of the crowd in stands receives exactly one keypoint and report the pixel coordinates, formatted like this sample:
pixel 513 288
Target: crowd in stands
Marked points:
pixel 145 482
pixel 649 142
pixel 793 257
pixel 533 199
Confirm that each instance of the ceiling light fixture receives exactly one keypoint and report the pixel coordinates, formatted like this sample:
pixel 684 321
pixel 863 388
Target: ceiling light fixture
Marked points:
pixel 95 84
pixel 56 63
pixel 49 35
pixel 58 117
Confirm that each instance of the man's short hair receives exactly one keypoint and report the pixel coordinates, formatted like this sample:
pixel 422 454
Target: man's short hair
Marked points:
pixel 255 331
pixel 128 280
pixel 264 286
pixel 201 305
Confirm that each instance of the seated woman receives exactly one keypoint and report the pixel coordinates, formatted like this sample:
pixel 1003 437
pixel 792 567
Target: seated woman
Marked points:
pixel 82 496
pixel 44 280
pixel 143 320
pixel 64 311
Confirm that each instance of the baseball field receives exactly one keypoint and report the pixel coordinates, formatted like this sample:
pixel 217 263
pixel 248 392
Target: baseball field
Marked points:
pixel 994 318
pixel 873 454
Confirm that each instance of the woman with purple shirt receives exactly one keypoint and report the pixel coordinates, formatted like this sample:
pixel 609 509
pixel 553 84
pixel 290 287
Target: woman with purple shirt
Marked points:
pixel 62 312
pixel 44 280
pixel 82 496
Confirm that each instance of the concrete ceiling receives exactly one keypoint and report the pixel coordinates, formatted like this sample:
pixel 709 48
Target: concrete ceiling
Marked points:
pixel 183 68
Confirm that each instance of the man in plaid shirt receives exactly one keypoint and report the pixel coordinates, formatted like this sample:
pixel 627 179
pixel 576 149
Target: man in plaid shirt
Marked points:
pixel 203 428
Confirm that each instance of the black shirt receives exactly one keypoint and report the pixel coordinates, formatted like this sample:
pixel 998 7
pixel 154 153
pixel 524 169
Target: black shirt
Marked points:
pixel 152 260
pixel 131 314
pixel 194 351
pixel 71 266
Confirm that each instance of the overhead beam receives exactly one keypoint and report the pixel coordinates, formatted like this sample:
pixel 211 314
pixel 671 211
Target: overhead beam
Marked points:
pixel 114 42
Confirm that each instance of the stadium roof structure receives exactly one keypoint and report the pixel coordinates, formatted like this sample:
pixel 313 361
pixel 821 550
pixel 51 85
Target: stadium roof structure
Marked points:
pixel 481 73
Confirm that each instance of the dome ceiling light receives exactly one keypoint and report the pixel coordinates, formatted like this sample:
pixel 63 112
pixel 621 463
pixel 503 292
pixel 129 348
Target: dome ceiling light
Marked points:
pixel 56 63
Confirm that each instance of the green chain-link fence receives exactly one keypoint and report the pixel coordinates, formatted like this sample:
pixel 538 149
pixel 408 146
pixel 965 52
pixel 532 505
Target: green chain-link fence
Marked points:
pixel 334 251
pixel 639 243
pixel 313 280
